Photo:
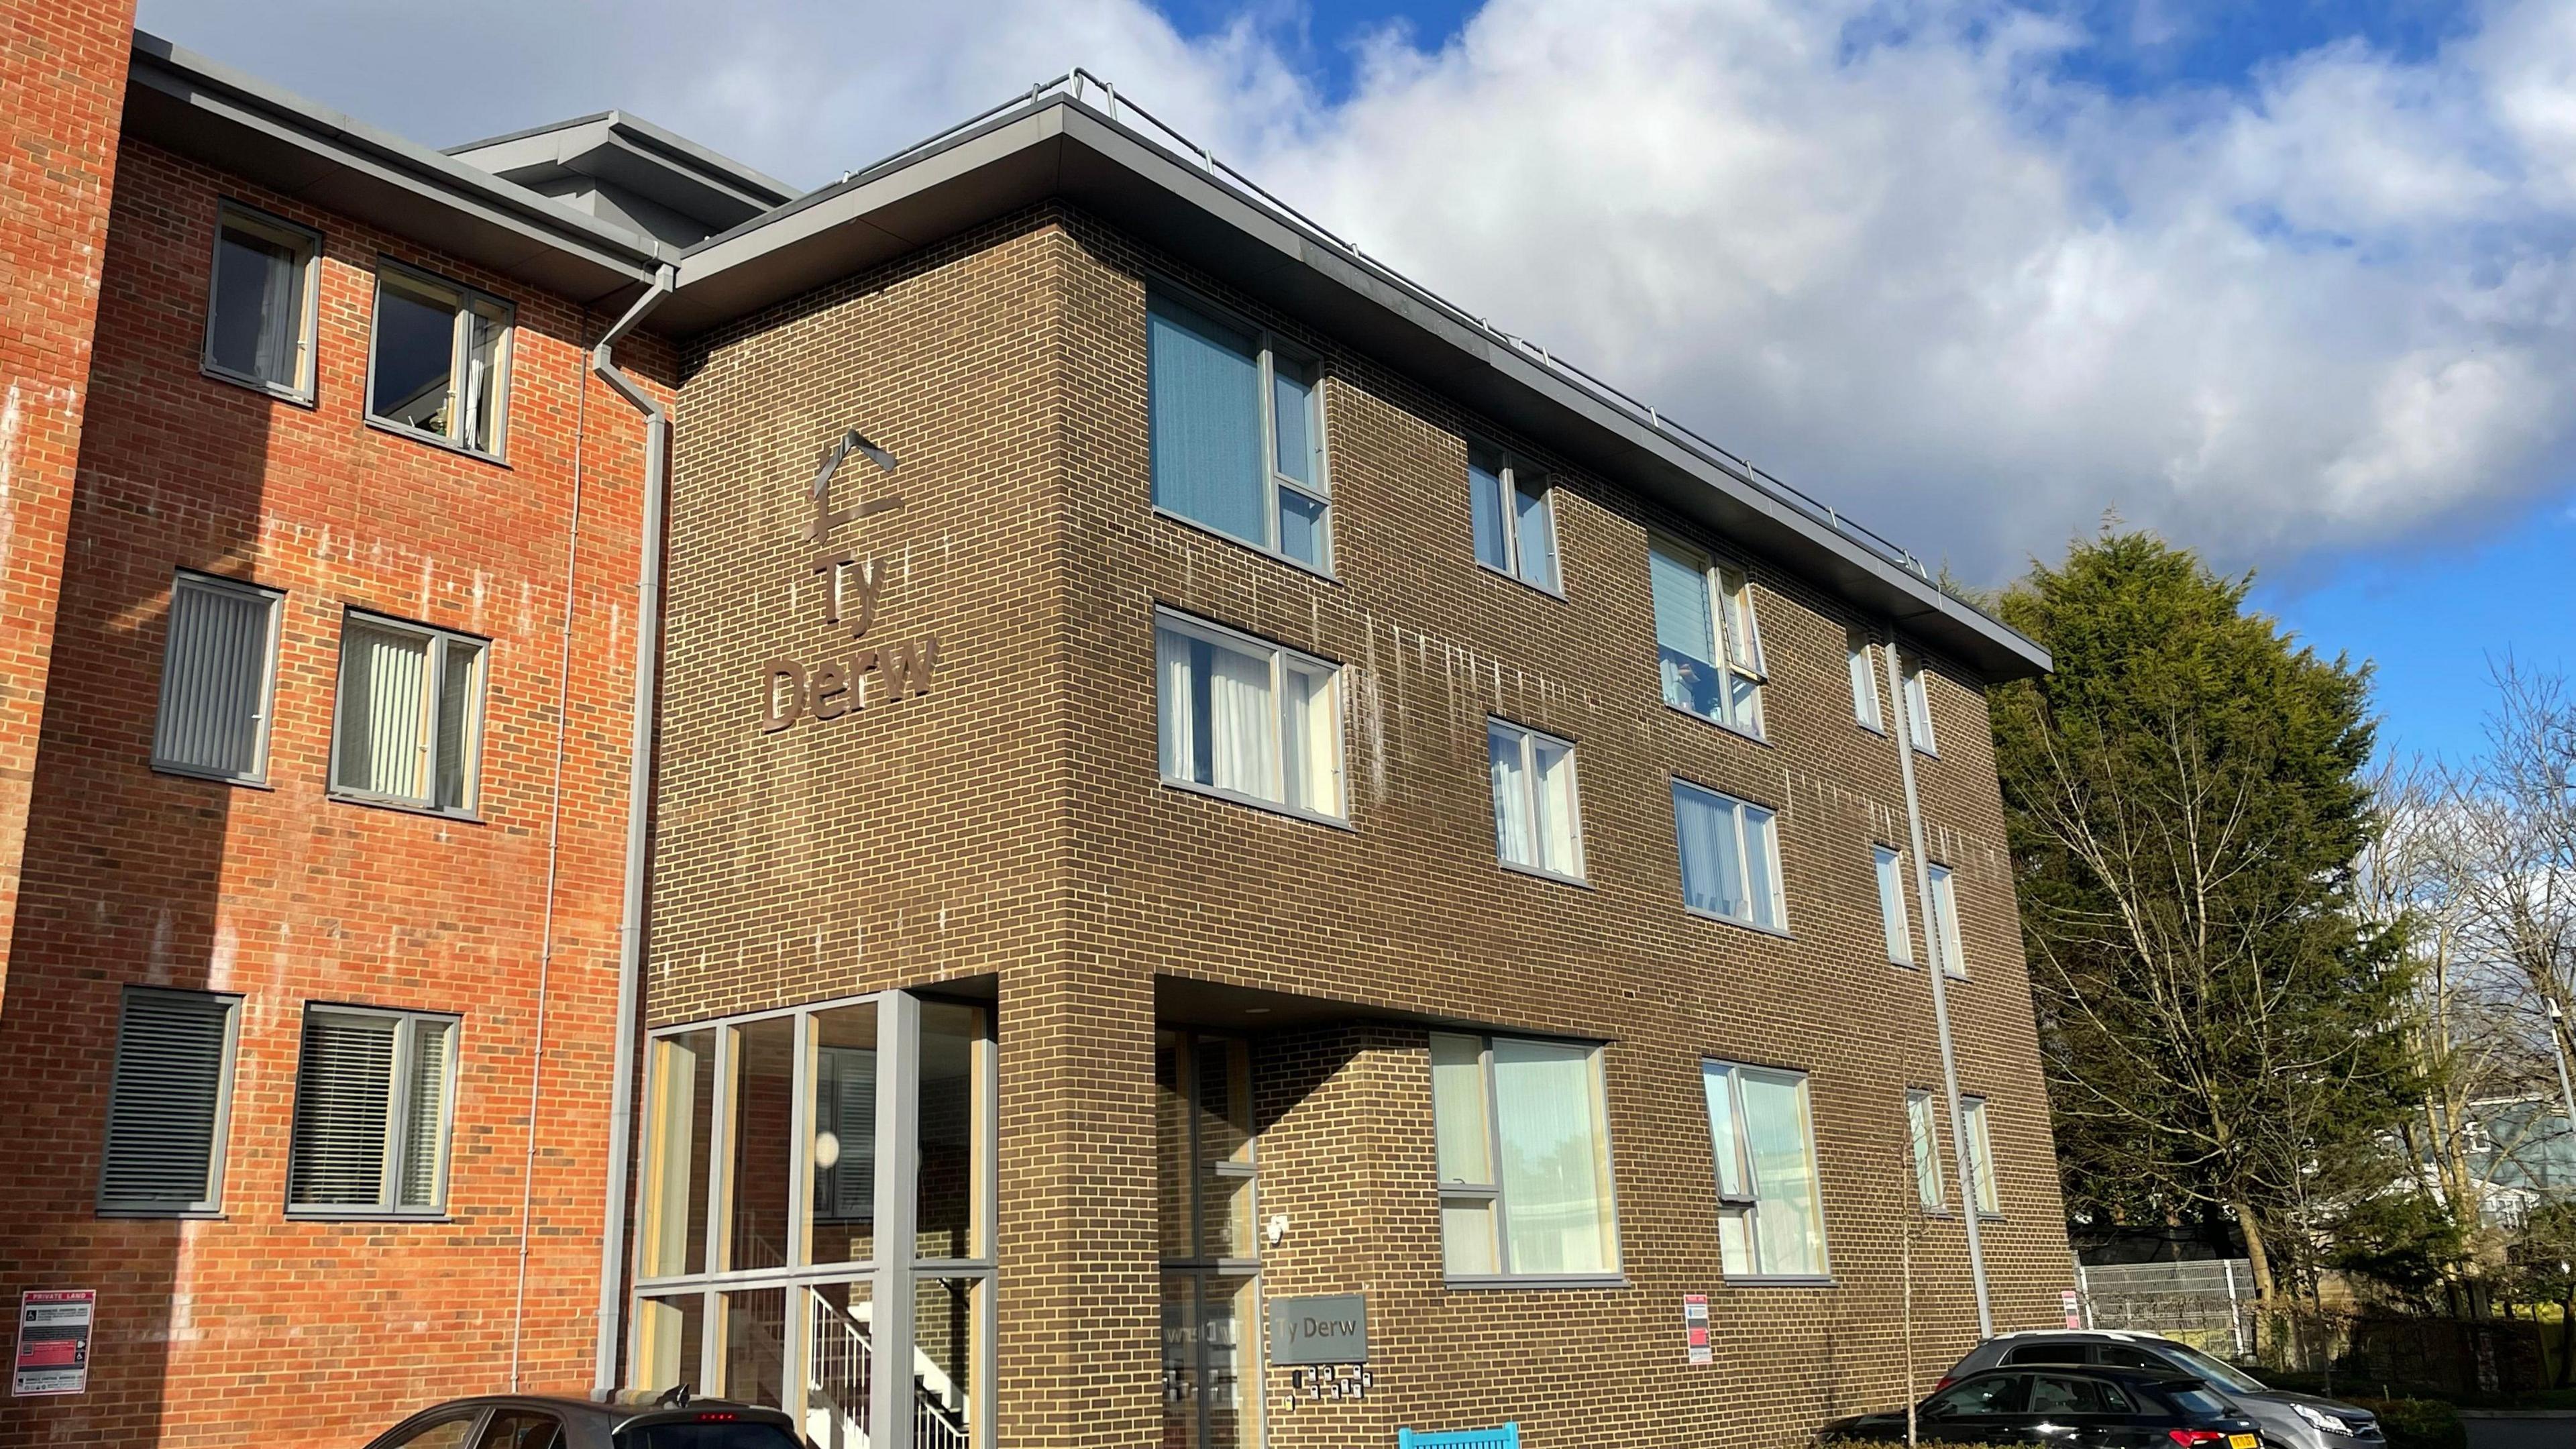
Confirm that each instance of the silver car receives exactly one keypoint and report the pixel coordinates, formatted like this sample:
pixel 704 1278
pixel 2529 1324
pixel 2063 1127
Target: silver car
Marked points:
pixel 2288 1420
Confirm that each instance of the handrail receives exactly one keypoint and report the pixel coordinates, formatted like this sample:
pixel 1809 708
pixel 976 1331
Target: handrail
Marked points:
pixel 1074 82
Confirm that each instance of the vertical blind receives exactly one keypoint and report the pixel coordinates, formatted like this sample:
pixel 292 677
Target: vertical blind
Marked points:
pixel 165 1117
pixel 1787 1224
pixel 1727 865
pixel 1685 639
pixel 215 680
pixel 1555 1158
pixel 425 1115
pixel 1204 395
pixel 384 736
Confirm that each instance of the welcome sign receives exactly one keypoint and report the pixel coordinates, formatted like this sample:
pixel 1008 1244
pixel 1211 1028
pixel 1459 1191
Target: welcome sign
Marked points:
pixel 842 684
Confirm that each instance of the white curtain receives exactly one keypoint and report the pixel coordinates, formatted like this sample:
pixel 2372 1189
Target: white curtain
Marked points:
pixel 1178 705
pixel 1242 724
pixel 1512 826
pixel 1712 864
pixel 1758 872
pixel 1784 1182
pixel 382 678
pixel 1557 845
pixel 281 316
pixel 1556 1206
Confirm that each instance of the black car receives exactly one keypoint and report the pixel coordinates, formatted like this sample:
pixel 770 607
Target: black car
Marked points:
pixel 534 1421
pixel 2080 1408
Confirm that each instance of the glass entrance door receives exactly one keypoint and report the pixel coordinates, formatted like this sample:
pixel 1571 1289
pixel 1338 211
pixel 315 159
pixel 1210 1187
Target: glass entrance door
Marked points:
pixel 1211 1247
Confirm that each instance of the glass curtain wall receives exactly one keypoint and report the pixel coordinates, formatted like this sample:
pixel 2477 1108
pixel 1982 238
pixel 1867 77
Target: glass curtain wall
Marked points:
pixel 1211 1245
pixel 776 1263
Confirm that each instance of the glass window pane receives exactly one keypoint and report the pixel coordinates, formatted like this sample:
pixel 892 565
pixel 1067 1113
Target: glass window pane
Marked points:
pixel 1228 1332
pixel 1735 1243
pixel 1514 838
pixel 1945 919
pixel 1183 1376
pixel 1864 678
pixel 1537 536
pixel 762 1121
pixel 486 331
pixel 943 1361
pixel 1788 1222
pixel 1467 1237
pixel 459 723
pixel 1222 1071
pixel 1458 1109
pixel 214 680
pixel 1735 602
pixel 344 1088
pixel 412 378
pixel 842 1211
pixel 258 323
pixel 1712 865
pixel 382 746
pixel 1485 504
pixel 1716 1082
pixel 679 1096
pixel 1302 530
pixel 1918 703
pixel 1172 1138
pixel 1684 636
pixel 1204 397
pixel 425 1114
pixel 951 1198
pixel 1927 1150
pixel 1560 839
pixel 670 1335
pixel 1220 725
pixel 1891 904
pixel 837 1363
pixel 1555 1173
pixel 1292 396
pixel 1312 734
pixel 1761 868
pixel 1980 1150
pixel 753 1365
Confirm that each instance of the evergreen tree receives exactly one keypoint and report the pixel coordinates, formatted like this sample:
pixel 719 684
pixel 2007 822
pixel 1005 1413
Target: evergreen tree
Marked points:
pixel 2222 1028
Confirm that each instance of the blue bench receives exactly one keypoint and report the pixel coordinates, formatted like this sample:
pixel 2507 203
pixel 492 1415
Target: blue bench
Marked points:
pixel 1506 1437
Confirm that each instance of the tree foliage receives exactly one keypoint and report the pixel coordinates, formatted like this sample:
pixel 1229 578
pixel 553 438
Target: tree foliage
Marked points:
pixel 2220 1026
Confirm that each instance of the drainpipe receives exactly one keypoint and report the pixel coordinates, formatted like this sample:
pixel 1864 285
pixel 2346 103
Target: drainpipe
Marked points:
pixel 639 784
pixel 1939 971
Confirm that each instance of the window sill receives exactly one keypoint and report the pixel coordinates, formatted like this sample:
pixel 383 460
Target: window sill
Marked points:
pixel 1867 728
pixel 1904 965
pixel 363 1215
pixel 1271 807
pixel 1927 752
pixel 153 1214
pixel 299 397
pixel 1782 1280
pixel 433 440
pixel 182 772
pixel 1739 731
pixel 1557 594
pixel 1776 932
pixel 1541 873
pixel 1263 549
pixel 1481 1282
pixel 405 807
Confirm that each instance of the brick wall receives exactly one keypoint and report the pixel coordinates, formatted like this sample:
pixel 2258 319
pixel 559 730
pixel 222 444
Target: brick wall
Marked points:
pixel 1011 822
pixel 212 1330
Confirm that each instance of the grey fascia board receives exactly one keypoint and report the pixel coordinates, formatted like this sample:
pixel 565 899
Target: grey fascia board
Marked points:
pixel 565 142
pixel 525 132
pixel 244 100
pixel 757 188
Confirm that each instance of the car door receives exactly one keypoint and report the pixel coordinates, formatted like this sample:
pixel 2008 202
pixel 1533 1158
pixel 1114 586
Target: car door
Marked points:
pixel 2080 1411
pixel 1985 1409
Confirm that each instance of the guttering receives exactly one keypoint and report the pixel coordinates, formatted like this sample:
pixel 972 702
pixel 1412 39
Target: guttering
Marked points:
pixel 639 786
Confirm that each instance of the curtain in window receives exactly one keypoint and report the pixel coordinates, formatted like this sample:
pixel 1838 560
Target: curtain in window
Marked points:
pixel 1775 1133
pixel 1558 848
pixel 1891 904
pixel 1514 835
pixel 424 1166
pixel 456 723
pixel 1458 1109
pixel 1178 708
pixel 1945 919
pixel 281 315
pixel 343 1099
pixel 1758 870
pixel 1241 722
pixel 1980 1150
pixel 1712 867
pixel 480 424
pixel 1310 729
pixel 214 690
pixel 1864 679
pixel 1204 397
pixel 1556 1212
pixel 1537 537
pixel 1485 503
pixel 1683 639
pixel 258 315
pixel 383 675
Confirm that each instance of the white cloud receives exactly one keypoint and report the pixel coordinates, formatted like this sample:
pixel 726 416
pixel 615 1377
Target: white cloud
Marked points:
pixel 1880 249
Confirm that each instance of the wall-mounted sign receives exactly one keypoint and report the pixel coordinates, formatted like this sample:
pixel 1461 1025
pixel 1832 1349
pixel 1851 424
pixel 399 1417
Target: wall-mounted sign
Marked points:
pixel 53 1340
pixel 1332 1329
pixel 2074 1307
pixel 1695 1328
pixel 843 683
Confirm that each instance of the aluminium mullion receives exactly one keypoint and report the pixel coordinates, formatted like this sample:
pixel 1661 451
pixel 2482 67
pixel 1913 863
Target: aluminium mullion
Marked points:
pixel 1494 1158
pixel 796 1316
pixel 1269 410
pixel 898 1143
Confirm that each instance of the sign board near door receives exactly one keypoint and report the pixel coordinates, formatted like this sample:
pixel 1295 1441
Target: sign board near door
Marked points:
pixel 1328 1329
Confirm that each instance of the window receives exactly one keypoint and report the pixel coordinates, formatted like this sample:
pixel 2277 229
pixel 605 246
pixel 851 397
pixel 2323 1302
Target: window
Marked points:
pixel 1980 1150
pixel 1918 705
pixel 1522 1138
pixel 1770 1217
pixel 1237 431
pixel 1704 637
pixel 411 716
pixel 260 303
pixel 1730 858
pixel 218 679
pixel 522 1429
pixel 1514 515
pixel 2052 1395
pixel 1891 905
pixel 1248 719
pixel 1990 1394
pixel 449 1432
pixel 169 1102
pixel 1536 824
pixel 439 366
pixel 374 1104
pixel 1925 1132
pixel 1945 920
pixel 1210 1255
pixel 1864 680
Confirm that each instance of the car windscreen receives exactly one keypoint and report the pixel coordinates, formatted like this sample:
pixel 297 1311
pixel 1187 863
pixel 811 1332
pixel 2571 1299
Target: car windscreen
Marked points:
pixel 2223 1374
pixel 704 1434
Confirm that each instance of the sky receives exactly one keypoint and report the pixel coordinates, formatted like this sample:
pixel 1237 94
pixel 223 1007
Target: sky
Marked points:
pixel 2289 281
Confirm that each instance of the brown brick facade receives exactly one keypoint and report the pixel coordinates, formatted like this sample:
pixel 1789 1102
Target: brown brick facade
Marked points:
pixel 1011 822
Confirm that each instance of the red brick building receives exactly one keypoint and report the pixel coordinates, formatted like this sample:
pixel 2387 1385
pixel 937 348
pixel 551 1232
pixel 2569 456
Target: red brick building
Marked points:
pixel 1234 856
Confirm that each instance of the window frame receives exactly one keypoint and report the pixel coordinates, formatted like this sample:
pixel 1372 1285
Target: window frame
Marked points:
pixel 1941 880
pixel 1746 1205
pixel 1529 740
pixel 1914 686
pixel 1491 1192
pixel 1282 656
pixel 1869 709
pixel 1269 345
pixel 1978 1145
pixel 1508 465
pixel 433 679
pixel 1923 1151
pixel 1715 568
pixel 388 1206
pixel 1896 922
pixel 308 343
pixel 218 1150
pixel 1778 883
pixel 468 300
pixel 276 601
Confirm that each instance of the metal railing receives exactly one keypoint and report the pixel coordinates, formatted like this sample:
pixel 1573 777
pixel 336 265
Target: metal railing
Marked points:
pixel 1162 134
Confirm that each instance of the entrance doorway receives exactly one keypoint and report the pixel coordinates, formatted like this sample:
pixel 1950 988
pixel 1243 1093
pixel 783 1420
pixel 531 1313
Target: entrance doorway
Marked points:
pixel 1209 1189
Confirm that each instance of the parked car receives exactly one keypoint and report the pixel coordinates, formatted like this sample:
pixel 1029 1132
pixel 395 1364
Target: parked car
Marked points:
pixel 531 1421
pixel 2077 1408
pixel 2288 1420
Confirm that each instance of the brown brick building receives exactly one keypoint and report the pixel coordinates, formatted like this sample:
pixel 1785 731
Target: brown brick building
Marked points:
pixel 1262 804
